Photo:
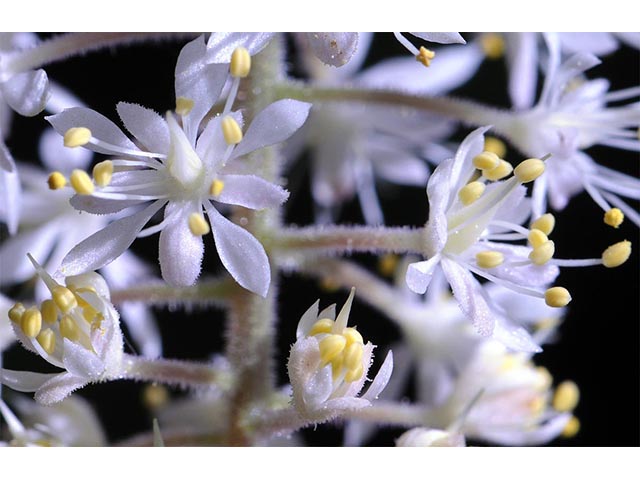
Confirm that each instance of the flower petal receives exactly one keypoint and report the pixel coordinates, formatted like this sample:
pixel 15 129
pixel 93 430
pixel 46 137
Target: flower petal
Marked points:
pixel 241 254
pixel 381 379
pixel 220 46
pixel 211 144
pixel 251 191
pixel 272 125
pixel 27 92
pixel 24 381
pixel 7 163
pixel 595 43
pixel 55 156
pixel 419 274
pixel 307 320
pixel 10 199
pixel 58 388
pixel 333 48
pixel 440 37
pixel 522 60
pixel 81 362
pixel 146 125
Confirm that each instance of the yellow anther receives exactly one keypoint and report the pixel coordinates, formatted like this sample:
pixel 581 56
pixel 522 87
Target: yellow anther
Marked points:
pixel 471 192
pixel 31 322
pixel 216 188
pixel 155 396
pixel 81 182
pixel 331 346
pixel 495 145
pixel 614 217
pixel 184 106
pixel 323 325
pixel 387 264
pixel 240 63
pixel 337 366
pixel 572 428
pixel 103 172
pixel 566 397
pixel 77 291
pixel 489 259
pixel 542 254
pixel 425 56
pixel 355 374
pixel 77 137
pixel 528 170
pixel 503 169
pixel 486 161
pixel 616 254
pixel 352 335
pixel 89 314
pixel 47 340
pixel 198 225
pixel 69 329
pixel 56 181
pixel 537 238
pixel 353 356
pixel 492 45
pixel 49 311
pixel 545 223
pixel 557 297
pixel 64 298
pixel 231 131
pixel 16 312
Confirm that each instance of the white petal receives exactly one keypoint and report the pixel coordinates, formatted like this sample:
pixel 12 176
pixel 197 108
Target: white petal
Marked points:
pixel 10 196
pixel 434 381
pixel 146 125
pixel 401 168
pixel 381 379
pixel 318 388
pixel 24 381
pixel 81 362
pixel 58 388
pixel 515 338
pixel 251 191
pixel 329 312
pixel 440 37
pixel 55 156
pixel 595 43
pixel 630 38
pixel 241 254
pixel 180 251
pixel 106 245
pixel 307 320
pixel 522 60
pixel 7 163
pixel 101 127
pixel 529 436
pixel 27 92
pixel 419 274
pixel 211 144
pixel 100 206
pixel 220 46
pixel 333 48
pixel 272 125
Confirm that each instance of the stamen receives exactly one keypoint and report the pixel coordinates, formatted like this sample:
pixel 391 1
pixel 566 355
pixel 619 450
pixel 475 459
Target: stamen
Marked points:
pixel 545 223
pixel 321 326
pixel 49 311
pixel 353 356
pixel 64 299
pixel 69 329
pixel 489 259
pixel 503 169
pixel 77 137
pixel 425 56
pixel 566 397
pixel 56 181
pixel 352 336
pixel 31 322
pixel 471 192
pixel 16 312
pixel 103 172
pixel 355 374
pixel 557 297
pixel 240 63
pixel 537 238
pixel 331 346
pixel 492 45
pixel 572 428
pixel 528 170
pixel 487 160
pixel 387 264
pixel 184 106
pixel 216 188
pixel 614 217
pixel 616 254
pixel 198 225
pixel 542 254
pixel 495 145
pixel 47 340
pixel 231 131
pixel 81 182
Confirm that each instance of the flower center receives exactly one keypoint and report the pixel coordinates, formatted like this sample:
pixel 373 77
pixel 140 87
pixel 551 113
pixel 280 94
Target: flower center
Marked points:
pixel 343 350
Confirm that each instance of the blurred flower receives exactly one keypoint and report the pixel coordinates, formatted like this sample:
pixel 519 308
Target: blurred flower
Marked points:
pixel 429 437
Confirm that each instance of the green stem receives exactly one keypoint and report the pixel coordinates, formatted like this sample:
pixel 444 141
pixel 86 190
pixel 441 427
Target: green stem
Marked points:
pixel 205 292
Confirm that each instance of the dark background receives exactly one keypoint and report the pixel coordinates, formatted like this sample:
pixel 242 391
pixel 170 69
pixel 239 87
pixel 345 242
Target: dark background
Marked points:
pixel 598 348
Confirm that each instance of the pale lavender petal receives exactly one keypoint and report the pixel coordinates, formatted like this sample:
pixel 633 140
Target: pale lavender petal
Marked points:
pixel 440 37
pixel 530 436
pixel 630 38
pixel 146 125
pixel 108 244
pixel 220 46
pixel 251 191
pixel 16 267
pixel 81 362
pixel 211 144
pixel 24 381
pixel 100 206
pixel 401 168
pixel 58 388
pixel 241 254
pixel 318 388
pixel 7 163
pixel 472 145
pixel 56 157
pixel 333 48
pixel 522 60
pixel 272 125
pixel 515 338
pixel 595 43
pixel 419 274
pixel 381 379
pixel 434 381
pixel 27 92
pixel 10 196
pixel 307 320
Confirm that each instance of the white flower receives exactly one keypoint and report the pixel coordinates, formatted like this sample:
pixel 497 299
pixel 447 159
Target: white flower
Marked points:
pixel 329 362
pixel 181 171
pixel 6 332
pixel 429 437
pixel 77 329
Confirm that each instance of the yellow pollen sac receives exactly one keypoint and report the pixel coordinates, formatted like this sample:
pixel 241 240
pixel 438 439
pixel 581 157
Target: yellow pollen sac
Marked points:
pixel 425 56
pixel 49 311
pixel 331 346
pixel 486 161
pixel 616 254
pixel 69 329
pixel 47 340
pixel 495 145
pixel 198 225
pixel 337 366
pixel 489 259
pixel 64 298
pixel 387 264
pixel 566 397
pixel 328 284
pixel 323 325
pixel 557 297
pixel 103 172
pixel 542 254
pixel 537 238
pixel 355 374
pixel 184 106
pixel 89 314
pixel 81 182
pixel 546 223
pixel 216 188
pixel 528 170
pixel 77 137
pixel 155 396
pixel 352 335
pixel 240 63
pixel 16 312
pixel 614 217
pixel 31 322
pixel 503 169
pixel 353 356
pixel 56 181
pixel 572 428
pixel 231 131
pixel 492 45
pixel 471 192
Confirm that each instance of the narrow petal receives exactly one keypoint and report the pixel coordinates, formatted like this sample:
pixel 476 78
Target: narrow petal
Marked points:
pixel 100 206
pixel 333 48
pixel 318 388
pixel 27 92
pixel 10 199
pixel 307 320
pixel 532 436
pixel 595 43
pixel 515 338
pixel 24 381
pixel 58 388
pixel 272 125
pixel 241 254
pixel 146 125
pixel 81 362
pixel 440 37
pixel 7 163
pixel 522 60
pixel 381 379
pixel 220 46
pixel 401 168
pixel 419 274
pixel 251 191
